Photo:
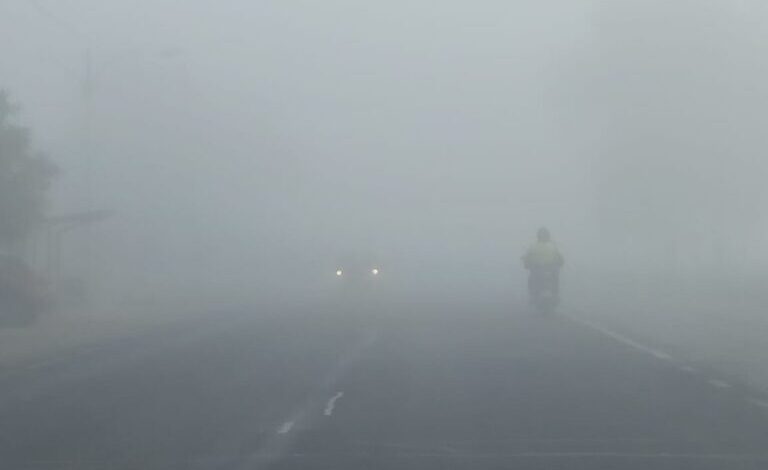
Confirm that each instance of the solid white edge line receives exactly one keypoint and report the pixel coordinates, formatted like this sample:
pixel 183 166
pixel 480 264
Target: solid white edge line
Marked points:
pixel 761 403
pixel 622 339
pixel 659 355
pixel 590 455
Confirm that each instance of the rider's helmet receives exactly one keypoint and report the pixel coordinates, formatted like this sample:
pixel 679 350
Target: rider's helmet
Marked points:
pixel 543 235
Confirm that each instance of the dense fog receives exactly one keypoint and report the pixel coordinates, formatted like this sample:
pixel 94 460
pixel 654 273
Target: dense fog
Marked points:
pixel 242 147
pixel 404 234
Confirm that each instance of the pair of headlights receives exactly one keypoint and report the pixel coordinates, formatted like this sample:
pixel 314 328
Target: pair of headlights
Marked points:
pixel 340 272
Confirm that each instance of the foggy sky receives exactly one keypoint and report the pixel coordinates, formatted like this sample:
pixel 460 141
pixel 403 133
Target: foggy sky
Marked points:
pixel 233 139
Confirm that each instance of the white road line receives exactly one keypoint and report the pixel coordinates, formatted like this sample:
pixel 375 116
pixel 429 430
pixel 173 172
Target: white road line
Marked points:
pixel 285 428
pixel 660 355
pixel 332 404
pixel 592 455
pixel 718 383
pixel 623 339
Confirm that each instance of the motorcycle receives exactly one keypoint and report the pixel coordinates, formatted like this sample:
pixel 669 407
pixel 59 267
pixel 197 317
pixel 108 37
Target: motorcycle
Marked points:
pixel 543 291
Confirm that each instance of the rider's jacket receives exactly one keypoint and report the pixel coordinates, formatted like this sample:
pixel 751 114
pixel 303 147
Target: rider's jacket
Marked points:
pixel 543 255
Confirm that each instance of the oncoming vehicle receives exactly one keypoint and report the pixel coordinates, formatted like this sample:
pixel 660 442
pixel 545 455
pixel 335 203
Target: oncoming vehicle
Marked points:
pixel 358 272
pixel 357 275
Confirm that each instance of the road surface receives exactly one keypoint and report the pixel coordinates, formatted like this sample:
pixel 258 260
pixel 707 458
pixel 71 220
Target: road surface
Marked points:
pixel 404 386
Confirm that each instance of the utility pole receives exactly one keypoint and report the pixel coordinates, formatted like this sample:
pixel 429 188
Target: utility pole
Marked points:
pixel 88 88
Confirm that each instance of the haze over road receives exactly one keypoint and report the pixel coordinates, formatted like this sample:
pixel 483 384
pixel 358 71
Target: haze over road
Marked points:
pixel 406 385
pixel 288 234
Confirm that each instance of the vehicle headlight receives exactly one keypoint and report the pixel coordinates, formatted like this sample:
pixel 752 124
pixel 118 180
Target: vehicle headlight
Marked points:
pixel 339 272
pixel 375 271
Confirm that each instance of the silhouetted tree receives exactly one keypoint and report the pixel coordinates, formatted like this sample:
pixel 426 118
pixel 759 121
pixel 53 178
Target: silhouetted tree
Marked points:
pixel 25 176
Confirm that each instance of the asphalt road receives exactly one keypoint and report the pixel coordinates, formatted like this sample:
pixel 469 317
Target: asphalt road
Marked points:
pixel 406 386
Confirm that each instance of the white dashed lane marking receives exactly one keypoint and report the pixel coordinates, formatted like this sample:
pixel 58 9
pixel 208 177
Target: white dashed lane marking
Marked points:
pixel 718 383
pixel 285 428
pixel 332 404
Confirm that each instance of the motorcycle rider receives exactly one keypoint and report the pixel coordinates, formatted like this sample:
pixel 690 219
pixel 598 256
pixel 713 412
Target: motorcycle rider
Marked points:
pixel 543 261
